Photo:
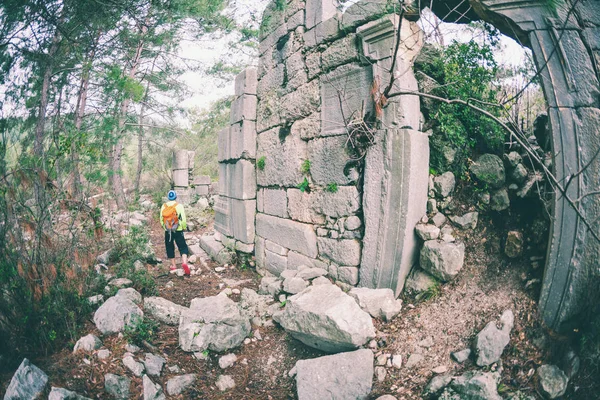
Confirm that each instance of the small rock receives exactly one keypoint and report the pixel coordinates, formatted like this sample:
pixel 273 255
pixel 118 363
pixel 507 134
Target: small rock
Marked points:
pixel 235 291
pixel 225 382
pixel 64 394
pixel 427 231
pixel 418 282
pixel 152 391
pixel 499 200
pixel 467 221
pixel 270 285
pixel 117 386
pixel 439 219
pixel 386 397
pixel 461 356
pixel 131 348
pixel 413 360
pixel 227 361
pixel 179 384
pixel 382 359
pixel 294 285
pixel 519 174
pixel 447 234
pixel 116 313
pixel 120 283
pixel 169 285
pixel 103 354
pixel 436 385
pixel 489 344
pixel 311 273
pixel 293 372
pixel 513 159
pixel 321 280
pixel 442 260
pixel 87 343
pixel 288 273
pixel 139 266
pixel 397 361
pixel 220 269
pixel 444 184
pixel 476 385
pixel 97 299
pixel 154 364
pixel 427 342
pixel 513 247
pixel 380 303
pixel 136 368
pixel 552 382
pixel 380 373
pixel 353 223
pixel 442 369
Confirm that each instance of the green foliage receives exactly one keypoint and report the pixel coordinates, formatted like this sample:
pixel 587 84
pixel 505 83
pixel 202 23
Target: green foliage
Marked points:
pixel 304 186
pixel 331 188
pixel 260 163
pixel 433 292
pixel 127 250
pixel 140 330
pixel 305 167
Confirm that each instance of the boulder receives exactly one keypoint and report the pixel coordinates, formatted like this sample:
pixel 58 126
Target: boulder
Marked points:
pixel 475 385
pixel 64 394
pixel 163 310
pixel 513 246
pixel 489 169
pixel 255 305
pixel 427 231
pixel 467 221
pixel 215 323
pixel 340 376
pixel 88 343
pixel 294 285
pixel 27 383
pixel 443 185
pixel 152 391
pixel 225 382
pixel 552 382
pixel 117 386
pixel 491 341
pixel 131 294
pixel 179 384
pixel 441 259
pixel 116 313
pixel 380 303
pixel 154 364
pixel 326 318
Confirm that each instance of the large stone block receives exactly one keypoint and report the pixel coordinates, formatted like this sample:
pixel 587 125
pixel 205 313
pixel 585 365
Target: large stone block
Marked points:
pixel 181 177
pixel 295 260
pixel 301 102
pixel 307 128
pixel 295 71
pixel 345 92
pixel 283 157
pixel 344 202
pixel 300 207
pixel 274 202
pixel 243 140
pixel 290 234
pixel 268 112
pixel 279 30
pixel 329 161
pixel 215 250
pixel 343 252
pixel 275 263
pixel 379 37
pixel 361 12
pixel 202 180
pixel 181 159
pixel 272 81
pixel 340 52
pixel 223 139
pixel 243 108
pixel 238 180
pixel 394 200
pixel 259 254
pixel 246 81
pixel 243 213
pixel 319 10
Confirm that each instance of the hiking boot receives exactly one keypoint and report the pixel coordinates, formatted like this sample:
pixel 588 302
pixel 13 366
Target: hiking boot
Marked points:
pixel 186 269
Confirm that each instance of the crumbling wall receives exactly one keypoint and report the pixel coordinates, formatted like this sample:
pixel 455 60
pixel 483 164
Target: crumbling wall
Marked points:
pixel 186 184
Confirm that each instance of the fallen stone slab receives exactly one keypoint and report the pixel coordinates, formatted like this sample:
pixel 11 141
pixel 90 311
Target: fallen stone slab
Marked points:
pixel 117 386
pixel 87 343
pixel 294 285
pixel 215 323
pixel 489 344
pixel 254 304
pixel 116 313
pixel 215 250
pixel 64 394
pixel 179 384
pixel 152 391
pixel 441 259
pixel 552 382
pixel 340 376
pixel 27 383
pixel 270 285
pixel 326 318
pixel 311 273
pixel 163 310
pixel 380 303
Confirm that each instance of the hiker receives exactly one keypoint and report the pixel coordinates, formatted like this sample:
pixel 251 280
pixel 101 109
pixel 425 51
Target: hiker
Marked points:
pixel 172 219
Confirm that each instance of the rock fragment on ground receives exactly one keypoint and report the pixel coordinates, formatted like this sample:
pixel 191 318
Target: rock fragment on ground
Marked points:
pixel 294 285
pixel 427 231
pixel 179 384
pixel 414 360
pixel 163 310
pixel 154 364
pixel 380 303
pixel 270 285
pixel 466 221
pixel 552 382
pixel 87 343
pixel 419 282
pixel 227 360
pixel 461 356
pixel 340 376
pixel 116 313
pixel 225 382
pixel 28 382
pixel 326 318
pixel 475 385
pixel 436 385
pixel 513 246
pixel 489 344
pixel 117 386
pixel 443 185
pixel 489 169
pixel 152 391
pixel 136 368
pixel 64 394
pixel 442 260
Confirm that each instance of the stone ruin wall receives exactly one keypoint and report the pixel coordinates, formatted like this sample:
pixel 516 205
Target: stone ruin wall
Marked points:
pixel 185 183
pixel 316 71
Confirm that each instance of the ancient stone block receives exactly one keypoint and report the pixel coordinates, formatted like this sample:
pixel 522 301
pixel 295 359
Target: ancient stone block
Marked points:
pixel 268 112
pixel 301 103
pixel 394 200
pixel 345 94
pixel 239 180
pixel 274 202
pixel 181 159
pixel 181 177
pixel 379 37
pixel 344 202
pixel 201 190
pixel 273 37
pixel 296 20
pixel 259 254
pixel 242 217
pixel 344 252
pixel 295 71
pixel 313 64
pixel 202 180
pixel 222 216
pixel 275 248
pixel 294 42
pixel 290 234
pixel 329 160
pixel 223 139
pixel 300 207
pixel 271 81
pixel 319 10
pixel 243 140
pixel 246 82
pixel 275 263
pixel 361 12
pixel 283 158
pixel 295 260
pixel 243 108
pixel 340 52
pixel 348 275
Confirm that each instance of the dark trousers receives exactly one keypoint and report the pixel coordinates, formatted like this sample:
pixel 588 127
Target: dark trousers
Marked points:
pixel 175 237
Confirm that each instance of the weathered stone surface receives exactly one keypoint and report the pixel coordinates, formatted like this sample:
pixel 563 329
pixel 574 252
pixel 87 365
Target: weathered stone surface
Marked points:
pixel 64 394
pixel 436 385
pixel 491 341
pixel 348 275
pixel 514 244
pixel 489 169
pixel 466 221
pixel 181 177
pixel 326 318
pixel 117 386
pixel 427 231
pixel 362 12
pixel 476 385
pixel 394 200
pixel 239 180
pixel 307 128
pixel 87 343
pixel 255 305
pixel 270 285
pixel 343 252
pixel 301 207
pixel 154 364
pixel 152 391
pixel 275 263
pixel 240 141
pixel 116 313
pixel 352 223
pixel 519 174
pixel 340 376
pixel 290 234
pixel 243 108
pixel 135 367
pixel 380 303
pixel 328 159
pixel 274 202
pixel 275 248
pixel 414 360
pixel 499 201
pixel 345 201
pixel 295 70
pixel 300 103
pixel 246 82
pixel 120 283
pixel 552 382
pixel 215 250
pixel 227 360
pixel 181 159
pixel 419 282
pixel 443 185
pixel 442 260
pixel 318 11
pixel 283 158
pixel 513 158
pixel 321 280
pixel 461 356
pixel 439 219
pixel 296 260
pixel 131 294
pixel 340 52
pixel 163 310
pixel 311 273
pixel 225 382
pixel 27 383
pixel 294 285
pixel 179 384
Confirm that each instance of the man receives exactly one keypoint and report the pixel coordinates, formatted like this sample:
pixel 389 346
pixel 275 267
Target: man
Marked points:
pixel 172 219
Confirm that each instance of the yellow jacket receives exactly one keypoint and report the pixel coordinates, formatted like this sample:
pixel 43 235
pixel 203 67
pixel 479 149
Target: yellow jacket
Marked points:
pixel 180 215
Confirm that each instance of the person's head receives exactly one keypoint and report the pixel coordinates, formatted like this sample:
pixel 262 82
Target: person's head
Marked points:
pixel 171 195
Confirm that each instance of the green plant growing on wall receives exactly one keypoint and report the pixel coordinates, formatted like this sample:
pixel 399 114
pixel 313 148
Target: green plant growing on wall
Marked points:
pixel 304 186
pixel 260 163
pixel 331 188
pixel 305 168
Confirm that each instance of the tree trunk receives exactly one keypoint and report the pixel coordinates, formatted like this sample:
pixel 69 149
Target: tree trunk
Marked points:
pixel 138 172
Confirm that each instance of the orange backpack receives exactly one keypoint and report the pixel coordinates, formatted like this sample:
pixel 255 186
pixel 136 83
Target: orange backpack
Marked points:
pixel 170 218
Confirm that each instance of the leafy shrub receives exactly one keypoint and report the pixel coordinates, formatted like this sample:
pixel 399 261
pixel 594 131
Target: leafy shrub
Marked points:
pixel 260 163
pixel 140 331
pixel 331 188
pixel 127 250
pixel 304 186
pixel 305 168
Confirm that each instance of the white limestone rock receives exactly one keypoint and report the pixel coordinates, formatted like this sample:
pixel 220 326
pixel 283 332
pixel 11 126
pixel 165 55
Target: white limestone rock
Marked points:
pixel 380 303
pixel 152 391
pixel 27 383
pixel 64 394
pixel 489 344
pixel 163 310
pixel 116 313
pixel 442 260
pixel 88 343
pixel 117 386
pixel 179 384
